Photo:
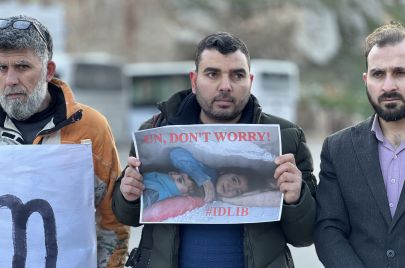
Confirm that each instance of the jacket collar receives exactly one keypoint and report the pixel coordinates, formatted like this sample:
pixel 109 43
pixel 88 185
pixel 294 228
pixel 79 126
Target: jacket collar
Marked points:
pixel 182 109
pixel 366 149
pixel 68 110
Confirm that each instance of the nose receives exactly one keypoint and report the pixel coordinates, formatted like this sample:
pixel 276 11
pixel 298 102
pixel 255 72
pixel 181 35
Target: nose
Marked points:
pixel 230 187
pixel 225 84
pixel 11 78
pixel 389 84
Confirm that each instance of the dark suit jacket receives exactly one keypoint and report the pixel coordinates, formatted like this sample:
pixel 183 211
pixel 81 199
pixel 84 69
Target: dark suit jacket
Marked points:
pixel 354 227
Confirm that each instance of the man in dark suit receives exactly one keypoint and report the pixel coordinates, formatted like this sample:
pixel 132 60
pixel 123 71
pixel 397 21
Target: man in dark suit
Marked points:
pixel 360 210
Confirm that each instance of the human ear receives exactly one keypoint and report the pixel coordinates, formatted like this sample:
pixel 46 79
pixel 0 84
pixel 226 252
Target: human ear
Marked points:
pixel 51 68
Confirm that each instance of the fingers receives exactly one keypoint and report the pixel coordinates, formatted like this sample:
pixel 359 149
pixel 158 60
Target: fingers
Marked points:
pixel 209 196
pixel 132 169
pixel 289 178
pixel 286 167
pixel 284 158
pixel 132 183
pixel 209 191
pixel 133 162
pixel 291 190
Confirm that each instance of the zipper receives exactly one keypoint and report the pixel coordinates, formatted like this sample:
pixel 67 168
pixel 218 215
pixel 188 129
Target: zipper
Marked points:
pixel 175 248
pixel 77 116
pixel 248 247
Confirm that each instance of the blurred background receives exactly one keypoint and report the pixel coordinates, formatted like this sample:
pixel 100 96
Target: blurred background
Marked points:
pixel 123 56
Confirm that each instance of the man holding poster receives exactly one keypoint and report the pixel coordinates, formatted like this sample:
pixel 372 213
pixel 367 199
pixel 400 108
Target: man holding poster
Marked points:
pixel 37 108
pixel 220 94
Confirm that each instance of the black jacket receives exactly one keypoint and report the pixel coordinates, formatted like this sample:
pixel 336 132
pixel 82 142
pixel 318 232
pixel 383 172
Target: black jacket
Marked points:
pixel 265 244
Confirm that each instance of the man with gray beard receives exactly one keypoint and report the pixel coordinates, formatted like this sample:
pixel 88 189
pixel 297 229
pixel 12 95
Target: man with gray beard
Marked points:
pixel 16 108
pixel 360 199
pixel 37 108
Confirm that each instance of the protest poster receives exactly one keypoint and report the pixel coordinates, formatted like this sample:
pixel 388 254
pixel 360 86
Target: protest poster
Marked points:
pixel 209 174
pixel 47 206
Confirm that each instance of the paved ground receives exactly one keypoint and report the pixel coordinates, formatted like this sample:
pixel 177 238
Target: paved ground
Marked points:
pixel 303 257
pixel 306 257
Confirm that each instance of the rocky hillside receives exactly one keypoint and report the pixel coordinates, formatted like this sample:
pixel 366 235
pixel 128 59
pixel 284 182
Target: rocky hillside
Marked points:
pixel 323 36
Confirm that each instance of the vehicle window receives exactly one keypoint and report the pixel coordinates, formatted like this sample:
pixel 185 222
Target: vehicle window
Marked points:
pixel 276 81
pixel 149 90
pixel 97 77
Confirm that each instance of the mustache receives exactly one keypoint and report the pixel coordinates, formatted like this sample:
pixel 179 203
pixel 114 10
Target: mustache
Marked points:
pixel 223 96
pixel 13 90
pixel 391 95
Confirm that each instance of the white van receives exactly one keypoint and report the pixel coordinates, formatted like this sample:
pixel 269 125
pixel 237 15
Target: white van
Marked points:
pixel 97 80
pixel 275 84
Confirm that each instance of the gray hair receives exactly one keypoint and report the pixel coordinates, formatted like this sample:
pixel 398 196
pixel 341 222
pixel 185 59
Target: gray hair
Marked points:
pixel 30 38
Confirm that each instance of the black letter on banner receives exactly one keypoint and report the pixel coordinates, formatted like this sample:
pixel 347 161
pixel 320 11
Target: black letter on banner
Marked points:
pixel 20 214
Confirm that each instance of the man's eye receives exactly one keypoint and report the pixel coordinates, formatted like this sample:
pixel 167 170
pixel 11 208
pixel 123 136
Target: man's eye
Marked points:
pixel 400 73
pixel 212 75
pixel 239 76
pixel 22 67
pixel 377 74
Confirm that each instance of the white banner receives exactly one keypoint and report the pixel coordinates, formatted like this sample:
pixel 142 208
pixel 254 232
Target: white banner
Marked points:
pixel 47 206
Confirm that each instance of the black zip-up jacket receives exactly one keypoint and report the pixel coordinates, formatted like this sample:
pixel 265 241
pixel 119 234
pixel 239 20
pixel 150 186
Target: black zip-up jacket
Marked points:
pixel 265 244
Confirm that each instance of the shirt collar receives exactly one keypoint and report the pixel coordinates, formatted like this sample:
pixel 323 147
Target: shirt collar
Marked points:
pixel 376 128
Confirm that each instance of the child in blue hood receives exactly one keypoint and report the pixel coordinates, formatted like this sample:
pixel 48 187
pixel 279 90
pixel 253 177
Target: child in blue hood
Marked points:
pixel 160 186
pixel 202 175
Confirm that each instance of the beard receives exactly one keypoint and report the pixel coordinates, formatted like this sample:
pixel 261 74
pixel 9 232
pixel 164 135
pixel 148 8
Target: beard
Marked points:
pixel 222 115
pixel 388 112
pixel 23 108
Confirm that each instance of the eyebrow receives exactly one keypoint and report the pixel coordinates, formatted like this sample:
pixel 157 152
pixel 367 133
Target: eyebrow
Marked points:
pixel 241 70
pixel 373 70
pixel 15 62
pixel 212 69
pixel 399 68
pixel 22 62
pixel 395 69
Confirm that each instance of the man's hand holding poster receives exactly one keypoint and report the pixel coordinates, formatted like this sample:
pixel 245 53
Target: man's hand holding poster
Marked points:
pixel 209 173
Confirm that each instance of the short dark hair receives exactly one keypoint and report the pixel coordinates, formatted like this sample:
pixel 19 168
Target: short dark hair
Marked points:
pixel 16 39
pixel 255 179
pixel 387 34
pixel 224 43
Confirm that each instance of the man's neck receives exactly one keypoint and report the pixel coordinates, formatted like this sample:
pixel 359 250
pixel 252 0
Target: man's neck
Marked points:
pixel 207 120
pixel 45 102
pixel 394 131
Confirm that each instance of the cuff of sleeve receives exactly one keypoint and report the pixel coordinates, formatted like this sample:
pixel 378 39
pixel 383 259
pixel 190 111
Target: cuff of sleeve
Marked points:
pixel 127 212
pixel 298 211
pixel 131 203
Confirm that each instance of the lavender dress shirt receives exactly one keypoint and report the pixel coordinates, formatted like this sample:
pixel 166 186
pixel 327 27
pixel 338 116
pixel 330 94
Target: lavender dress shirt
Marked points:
pixel 392 162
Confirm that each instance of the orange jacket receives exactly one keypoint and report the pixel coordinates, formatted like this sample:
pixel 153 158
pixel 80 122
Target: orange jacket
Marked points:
pixel 81 123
